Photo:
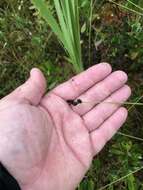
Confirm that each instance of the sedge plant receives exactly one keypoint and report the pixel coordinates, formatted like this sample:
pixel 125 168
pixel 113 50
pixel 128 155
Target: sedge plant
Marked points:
pixel 65 25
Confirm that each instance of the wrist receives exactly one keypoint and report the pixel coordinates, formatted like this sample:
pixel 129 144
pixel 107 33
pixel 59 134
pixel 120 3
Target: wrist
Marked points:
pixel 46 186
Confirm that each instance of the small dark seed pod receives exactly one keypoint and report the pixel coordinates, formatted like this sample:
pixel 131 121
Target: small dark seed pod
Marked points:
pixel 79 101
pixel 74 102
pixel 70 102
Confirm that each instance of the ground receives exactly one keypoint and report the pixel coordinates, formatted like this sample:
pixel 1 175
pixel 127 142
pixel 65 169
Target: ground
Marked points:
pixel 117 38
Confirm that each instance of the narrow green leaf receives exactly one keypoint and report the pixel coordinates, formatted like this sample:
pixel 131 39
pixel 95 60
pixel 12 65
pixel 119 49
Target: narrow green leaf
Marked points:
pixel 47 15
pixel 66 28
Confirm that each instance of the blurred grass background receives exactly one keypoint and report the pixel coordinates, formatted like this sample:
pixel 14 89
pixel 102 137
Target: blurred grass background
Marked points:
pixel 116 37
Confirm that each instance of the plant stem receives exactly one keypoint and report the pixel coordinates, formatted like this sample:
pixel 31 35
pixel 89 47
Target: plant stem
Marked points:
pixel 135 103
pixel 120 179
pixel 130 136
pixel 137 6
pixel 123 103
pixel 90 24
pixel 127 8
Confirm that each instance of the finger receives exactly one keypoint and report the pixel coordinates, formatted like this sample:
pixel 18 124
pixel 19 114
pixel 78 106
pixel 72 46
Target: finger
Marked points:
pixel 80 83
pixel 100 91
pixel 32 90
pixel 103 134
pixel 94 118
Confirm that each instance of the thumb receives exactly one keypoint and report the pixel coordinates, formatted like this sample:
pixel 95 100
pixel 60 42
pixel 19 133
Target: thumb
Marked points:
pixel 32 90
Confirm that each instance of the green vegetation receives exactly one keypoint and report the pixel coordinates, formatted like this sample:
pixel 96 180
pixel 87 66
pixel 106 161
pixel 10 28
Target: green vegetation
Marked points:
pixel 66 29
pixel 111 31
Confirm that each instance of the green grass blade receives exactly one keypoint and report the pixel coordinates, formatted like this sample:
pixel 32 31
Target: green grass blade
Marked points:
pixel 120 179
pixel 72 22
pixel 137 101
pixel 127 8
pixel 130 136
pixel 47 15
pixel 137 6
pixel 66 28
pixel 62 23
pixel 71 26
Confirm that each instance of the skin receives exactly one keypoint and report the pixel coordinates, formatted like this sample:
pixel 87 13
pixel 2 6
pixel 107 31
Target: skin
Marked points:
pixel 48 144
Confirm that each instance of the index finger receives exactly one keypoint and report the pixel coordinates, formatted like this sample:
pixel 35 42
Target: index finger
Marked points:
pixel 77 85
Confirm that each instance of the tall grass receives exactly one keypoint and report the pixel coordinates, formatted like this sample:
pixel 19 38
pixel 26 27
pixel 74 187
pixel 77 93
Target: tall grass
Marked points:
pixel 65 25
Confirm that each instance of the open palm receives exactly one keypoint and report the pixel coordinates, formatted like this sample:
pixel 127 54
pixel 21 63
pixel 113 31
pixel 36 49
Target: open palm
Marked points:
pixel 47 144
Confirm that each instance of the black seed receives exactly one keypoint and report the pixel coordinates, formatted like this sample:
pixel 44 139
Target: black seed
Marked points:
pixel 74 102
pixel 79 101
pixel 70 102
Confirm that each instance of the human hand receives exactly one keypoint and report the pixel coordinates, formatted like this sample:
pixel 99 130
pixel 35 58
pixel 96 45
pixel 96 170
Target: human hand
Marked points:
pixel 47 144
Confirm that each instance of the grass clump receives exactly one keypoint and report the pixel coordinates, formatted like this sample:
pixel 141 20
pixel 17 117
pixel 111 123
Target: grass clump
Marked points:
pixel 66 28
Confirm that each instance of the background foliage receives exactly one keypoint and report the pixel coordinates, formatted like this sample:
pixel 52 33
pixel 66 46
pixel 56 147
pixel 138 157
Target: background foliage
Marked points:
pixel 109 33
